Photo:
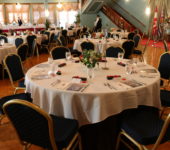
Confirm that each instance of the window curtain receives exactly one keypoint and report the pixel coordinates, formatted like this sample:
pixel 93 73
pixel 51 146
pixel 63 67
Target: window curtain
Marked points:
pixel 1 15
pixel 66 15
pixel 52 14
pixel 38 13
pixel 13 13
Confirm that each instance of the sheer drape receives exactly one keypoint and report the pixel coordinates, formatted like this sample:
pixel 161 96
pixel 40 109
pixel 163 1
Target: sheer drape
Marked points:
pixel 13 13
pixel 38 13
pixel 1 15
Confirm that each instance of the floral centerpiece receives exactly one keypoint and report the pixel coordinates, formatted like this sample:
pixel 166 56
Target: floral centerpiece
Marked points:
pixel 90 58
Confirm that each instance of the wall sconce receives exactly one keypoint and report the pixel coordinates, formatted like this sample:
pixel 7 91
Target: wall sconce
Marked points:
pixel 59 5
pixel 18 5
pixel 147 11
pixel 126 0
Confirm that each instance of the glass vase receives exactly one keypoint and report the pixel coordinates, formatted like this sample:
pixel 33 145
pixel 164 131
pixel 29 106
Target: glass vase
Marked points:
pixel 90 73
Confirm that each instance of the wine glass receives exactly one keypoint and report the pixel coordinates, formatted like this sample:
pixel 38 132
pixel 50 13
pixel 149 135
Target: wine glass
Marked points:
pixel 120 55
pixel 68 55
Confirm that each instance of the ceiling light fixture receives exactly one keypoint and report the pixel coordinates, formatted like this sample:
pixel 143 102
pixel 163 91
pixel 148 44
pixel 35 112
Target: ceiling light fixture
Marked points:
pixel 18 5
pixel 59 5
pixel 147 11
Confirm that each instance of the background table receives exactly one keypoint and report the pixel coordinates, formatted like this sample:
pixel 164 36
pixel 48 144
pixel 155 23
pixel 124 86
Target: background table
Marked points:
pixel 97 101
pixel 5 50
pixel 105 44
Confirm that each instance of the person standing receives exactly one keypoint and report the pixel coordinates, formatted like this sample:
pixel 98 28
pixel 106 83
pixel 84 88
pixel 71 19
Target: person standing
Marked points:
pixel 98 24
pixel 19 21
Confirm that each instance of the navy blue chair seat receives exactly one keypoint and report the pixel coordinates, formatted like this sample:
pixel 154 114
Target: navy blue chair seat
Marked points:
pixel 165 98
pixel 21 83
pixel 137 52
pixel 64 130
pixel 144 125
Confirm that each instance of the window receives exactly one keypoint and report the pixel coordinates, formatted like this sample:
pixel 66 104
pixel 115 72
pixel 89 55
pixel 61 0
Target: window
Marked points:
pixel 13 13
pixel 66 18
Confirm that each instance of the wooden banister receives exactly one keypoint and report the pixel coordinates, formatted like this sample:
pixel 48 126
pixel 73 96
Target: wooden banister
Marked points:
pixel 117 19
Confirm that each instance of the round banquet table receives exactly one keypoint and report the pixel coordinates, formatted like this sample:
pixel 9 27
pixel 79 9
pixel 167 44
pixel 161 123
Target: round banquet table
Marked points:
pixel 105 44
pixel 97 101
pixel 6 49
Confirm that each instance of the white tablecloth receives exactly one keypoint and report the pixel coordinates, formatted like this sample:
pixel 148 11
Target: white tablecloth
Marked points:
pixel 121 34
pixel 5 50
pixel 40 38
pixel 105 44
pixel 97 101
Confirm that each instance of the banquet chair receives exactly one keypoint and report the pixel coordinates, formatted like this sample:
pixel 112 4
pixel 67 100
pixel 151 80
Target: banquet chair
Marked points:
pixel 63 40
pixel 128 47
pixel 136 39
pixel 86 45
pixel 31 44
pixel 4 38
pixel 3 100
pixel 78 34
pixel 35 126
pixel 141 53
pixel 13 65
pixel 113 51
pixel 131 35
pixel 22 51
pixel 18 42
pixel 165 46
pixel 164 69
pixel 59 52
pixel 142 127
pixel 52 42
pixel 82 35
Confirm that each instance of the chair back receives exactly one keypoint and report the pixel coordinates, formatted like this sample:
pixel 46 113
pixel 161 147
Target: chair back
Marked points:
pixel 52 37
pixel 18 42
pixel 32 124
pixel 59 52
pixel 131 35
pixel 87 45
pixel 128 47
pixel 165 46
pixel 78 33
pixel 63 40
pixel 164 65
pixel 22 51
pixel 86 34
pixel 4 38
pixel 136 39
pixel 113 51
pixel 64 33
pixel 30 41
pixel 14 67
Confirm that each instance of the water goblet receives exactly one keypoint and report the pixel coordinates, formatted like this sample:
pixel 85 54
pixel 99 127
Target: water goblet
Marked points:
pixel 68 55
pixel 120 55
pixel 129 68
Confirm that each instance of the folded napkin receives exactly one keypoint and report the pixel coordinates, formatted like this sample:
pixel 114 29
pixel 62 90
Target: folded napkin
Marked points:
pixel 121 64
pixel 62 64
pixel 40 77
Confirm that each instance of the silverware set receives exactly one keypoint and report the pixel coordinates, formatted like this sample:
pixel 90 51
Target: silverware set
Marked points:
pixel 110 86
pixel 55 82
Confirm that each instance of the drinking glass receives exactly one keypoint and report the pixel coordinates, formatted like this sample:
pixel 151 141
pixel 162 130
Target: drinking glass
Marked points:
pixel 120 55
pixel 129 68
pixel 2 42
pixel 50 60
pixel 68 55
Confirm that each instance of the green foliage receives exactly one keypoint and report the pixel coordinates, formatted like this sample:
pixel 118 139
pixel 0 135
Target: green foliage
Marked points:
pixel 77 19
pixel 90 58
pixel 47 24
